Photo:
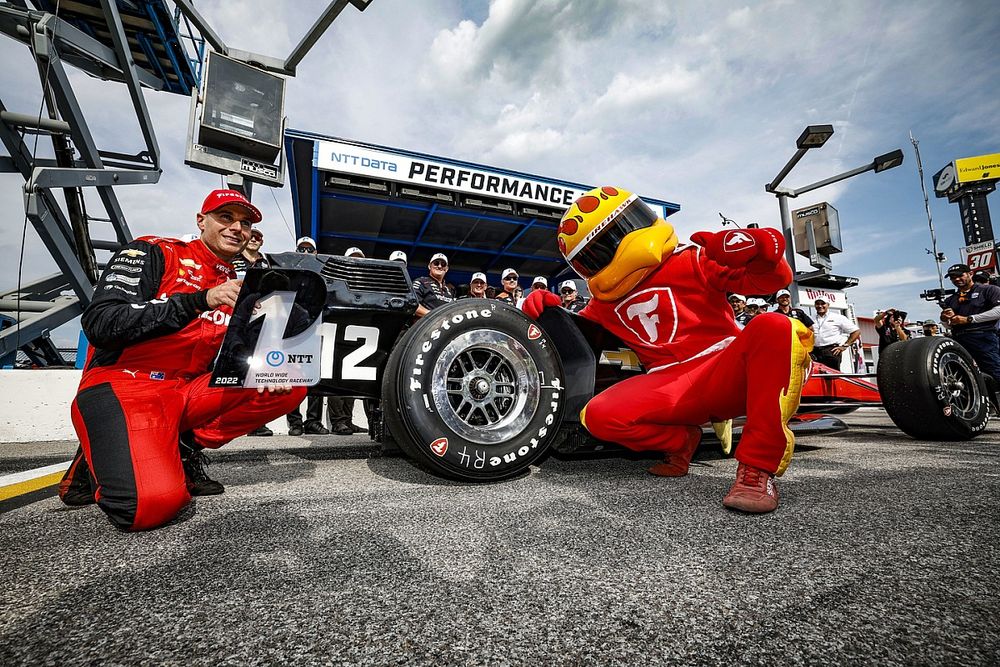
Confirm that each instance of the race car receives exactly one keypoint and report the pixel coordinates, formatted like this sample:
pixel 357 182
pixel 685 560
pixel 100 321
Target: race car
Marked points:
pixel 477 391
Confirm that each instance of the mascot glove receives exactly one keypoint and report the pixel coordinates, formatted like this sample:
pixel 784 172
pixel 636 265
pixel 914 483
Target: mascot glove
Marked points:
pixel 739 247
pixel 538 301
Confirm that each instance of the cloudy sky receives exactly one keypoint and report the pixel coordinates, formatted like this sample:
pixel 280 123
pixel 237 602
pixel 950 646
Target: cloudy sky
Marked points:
pixel 694 102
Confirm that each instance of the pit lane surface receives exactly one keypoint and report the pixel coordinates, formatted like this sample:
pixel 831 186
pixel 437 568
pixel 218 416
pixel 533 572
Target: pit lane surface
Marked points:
pixel 882 552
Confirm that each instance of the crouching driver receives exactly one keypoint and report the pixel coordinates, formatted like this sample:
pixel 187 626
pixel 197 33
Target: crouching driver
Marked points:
pixel 144 409
pixel 668 304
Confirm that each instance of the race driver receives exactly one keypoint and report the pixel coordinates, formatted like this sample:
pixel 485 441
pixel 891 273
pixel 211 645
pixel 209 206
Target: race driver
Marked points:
pixel 668 304
pixel 144 409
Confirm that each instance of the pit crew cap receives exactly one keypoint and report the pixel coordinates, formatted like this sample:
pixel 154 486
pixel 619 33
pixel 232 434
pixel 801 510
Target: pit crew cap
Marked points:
pixel 738 297
pixel 567 283
pixel 438 255
pixel 397 256
pixel 305 240
pixel 820 299
pixel 478 276
pixel 187 238
pixel 257 232
pixel 354 251
pixel 216 199
pixel 958 268
pixel 507 272
pixel 782 292
pixel 540 280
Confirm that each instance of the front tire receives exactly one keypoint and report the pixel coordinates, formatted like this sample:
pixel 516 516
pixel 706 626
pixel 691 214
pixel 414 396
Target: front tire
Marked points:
pixel 932 389
pixel 474 392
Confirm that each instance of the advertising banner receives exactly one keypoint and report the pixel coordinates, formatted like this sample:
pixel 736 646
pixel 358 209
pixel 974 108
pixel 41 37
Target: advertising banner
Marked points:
pixel 980 256
pixel 836 298
pixel 350 159
pixel 980 168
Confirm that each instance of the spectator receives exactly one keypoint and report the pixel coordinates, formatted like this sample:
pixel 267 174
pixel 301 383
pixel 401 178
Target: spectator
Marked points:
pixel 889 327
pixel 252 258
pixel 508 292
pixel 754 307
pixel 981 278
pixel 830 330
pixel 784 299
pixel 477 286
pixel 431 290
pixel 571 299
pixel 540 282
pixel 930 328
pixel 972 313
pixel 145 410
pixel 738 303
pixel 306 244
pixel 314 404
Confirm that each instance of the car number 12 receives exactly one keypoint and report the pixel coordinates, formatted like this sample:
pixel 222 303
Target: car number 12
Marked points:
pixel 351 368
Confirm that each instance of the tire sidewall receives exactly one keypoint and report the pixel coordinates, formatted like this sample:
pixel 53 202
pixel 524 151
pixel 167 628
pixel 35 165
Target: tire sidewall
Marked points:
pixel 432 440
pixel 934 361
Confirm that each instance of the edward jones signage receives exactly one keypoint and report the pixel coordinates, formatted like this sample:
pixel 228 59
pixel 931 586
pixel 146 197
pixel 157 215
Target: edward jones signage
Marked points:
pixel 351 159
pixel 981 168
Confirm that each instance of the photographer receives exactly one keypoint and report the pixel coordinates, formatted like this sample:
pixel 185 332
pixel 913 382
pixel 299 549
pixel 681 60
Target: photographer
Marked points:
pixel 889 326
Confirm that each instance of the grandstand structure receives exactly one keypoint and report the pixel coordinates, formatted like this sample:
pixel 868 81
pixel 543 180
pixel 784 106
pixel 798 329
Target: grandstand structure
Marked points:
pixel 348 193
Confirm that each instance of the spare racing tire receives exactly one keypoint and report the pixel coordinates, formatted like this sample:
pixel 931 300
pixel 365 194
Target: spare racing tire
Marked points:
pixel 473 391
pixel 932 389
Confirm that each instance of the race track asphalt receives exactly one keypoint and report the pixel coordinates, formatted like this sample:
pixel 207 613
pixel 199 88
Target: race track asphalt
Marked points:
pixel 883 552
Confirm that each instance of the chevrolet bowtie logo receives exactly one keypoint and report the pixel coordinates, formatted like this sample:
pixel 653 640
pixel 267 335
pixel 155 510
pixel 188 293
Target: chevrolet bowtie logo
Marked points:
pixel 623 357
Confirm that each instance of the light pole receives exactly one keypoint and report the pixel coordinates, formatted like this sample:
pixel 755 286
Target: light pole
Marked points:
pixel 814 136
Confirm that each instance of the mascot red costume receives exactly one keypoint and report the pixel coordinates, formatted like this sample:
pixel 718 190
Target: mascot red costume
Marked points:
pixel 668 304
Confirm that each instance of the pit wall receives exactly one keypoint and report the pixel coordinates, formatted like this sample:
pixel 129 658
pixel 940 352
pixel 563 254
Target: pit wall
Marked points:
pixel 34 406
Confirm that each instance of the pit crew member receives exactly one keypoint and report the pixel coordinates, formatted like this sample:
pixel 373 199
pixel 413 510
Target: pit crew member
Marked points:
pixel 972 313
pixel 431 290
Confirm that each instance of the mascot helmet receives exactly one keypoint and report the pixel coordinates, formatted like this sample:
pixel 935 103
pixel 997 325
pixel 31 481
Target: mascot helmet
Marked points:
pixel 613 240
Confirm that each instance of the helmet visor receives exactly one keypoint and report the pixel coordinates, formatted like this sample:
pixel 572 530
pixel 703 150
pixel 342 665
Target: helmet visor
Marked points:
pixel 601 250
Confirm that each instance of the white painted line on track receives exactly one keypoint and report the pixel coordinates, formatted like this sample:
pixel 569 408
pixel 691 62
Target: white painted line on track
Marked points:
pixel 27 475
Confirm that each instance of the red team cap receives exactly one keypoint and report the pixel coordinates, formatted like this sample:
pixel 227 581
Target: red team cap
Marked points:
pixel 219 198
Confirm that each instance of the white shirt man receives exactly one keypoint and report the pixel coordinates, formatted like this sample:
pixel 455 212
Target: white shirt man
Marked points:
pixel 830 330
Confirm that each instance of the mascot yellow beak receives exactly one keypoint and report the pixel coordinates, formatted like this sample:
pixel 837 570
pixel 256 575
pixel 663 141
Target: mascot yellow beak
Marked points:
pixel 639 253
pixel 614 241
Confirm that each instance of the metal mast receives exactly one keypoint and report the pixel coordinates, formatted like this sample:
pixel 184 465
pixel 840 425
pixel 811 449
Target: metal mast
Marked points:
pixel 927 207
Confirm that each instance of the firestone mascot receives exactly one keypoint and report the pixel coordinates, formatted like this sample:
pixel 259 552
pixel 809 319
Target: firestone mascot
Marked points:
pixel 668 304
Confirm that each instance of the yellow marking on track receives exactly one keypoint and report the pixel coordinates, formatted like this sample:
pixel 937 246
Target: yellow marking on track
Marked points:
pixel 21 488
pixel 20 483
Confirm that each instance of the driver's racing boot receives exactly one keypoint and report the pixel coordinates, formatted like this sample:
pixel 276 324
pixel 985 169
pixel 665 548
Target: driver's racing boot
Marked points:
pixel 76 488
pixel 195 473
pixel 675 464
pixel 753 491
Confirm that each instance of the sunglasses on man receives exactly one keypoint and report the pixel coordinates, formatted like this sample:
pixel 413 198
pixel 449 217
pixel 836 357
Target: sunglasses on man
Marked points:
pixel 567 291
pixel 305 248
pixel 439 263
pixel 509 278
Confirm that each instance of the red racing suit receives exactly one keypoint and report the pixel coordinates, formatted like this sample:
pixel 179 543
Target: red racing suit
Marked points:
pixel 145 382
pixel 700 366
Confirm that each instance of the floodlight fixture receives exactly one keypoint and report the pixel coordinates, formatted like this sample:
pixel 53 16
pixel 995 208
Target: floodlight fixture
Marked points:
pixel 814 136
pixel 888 161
